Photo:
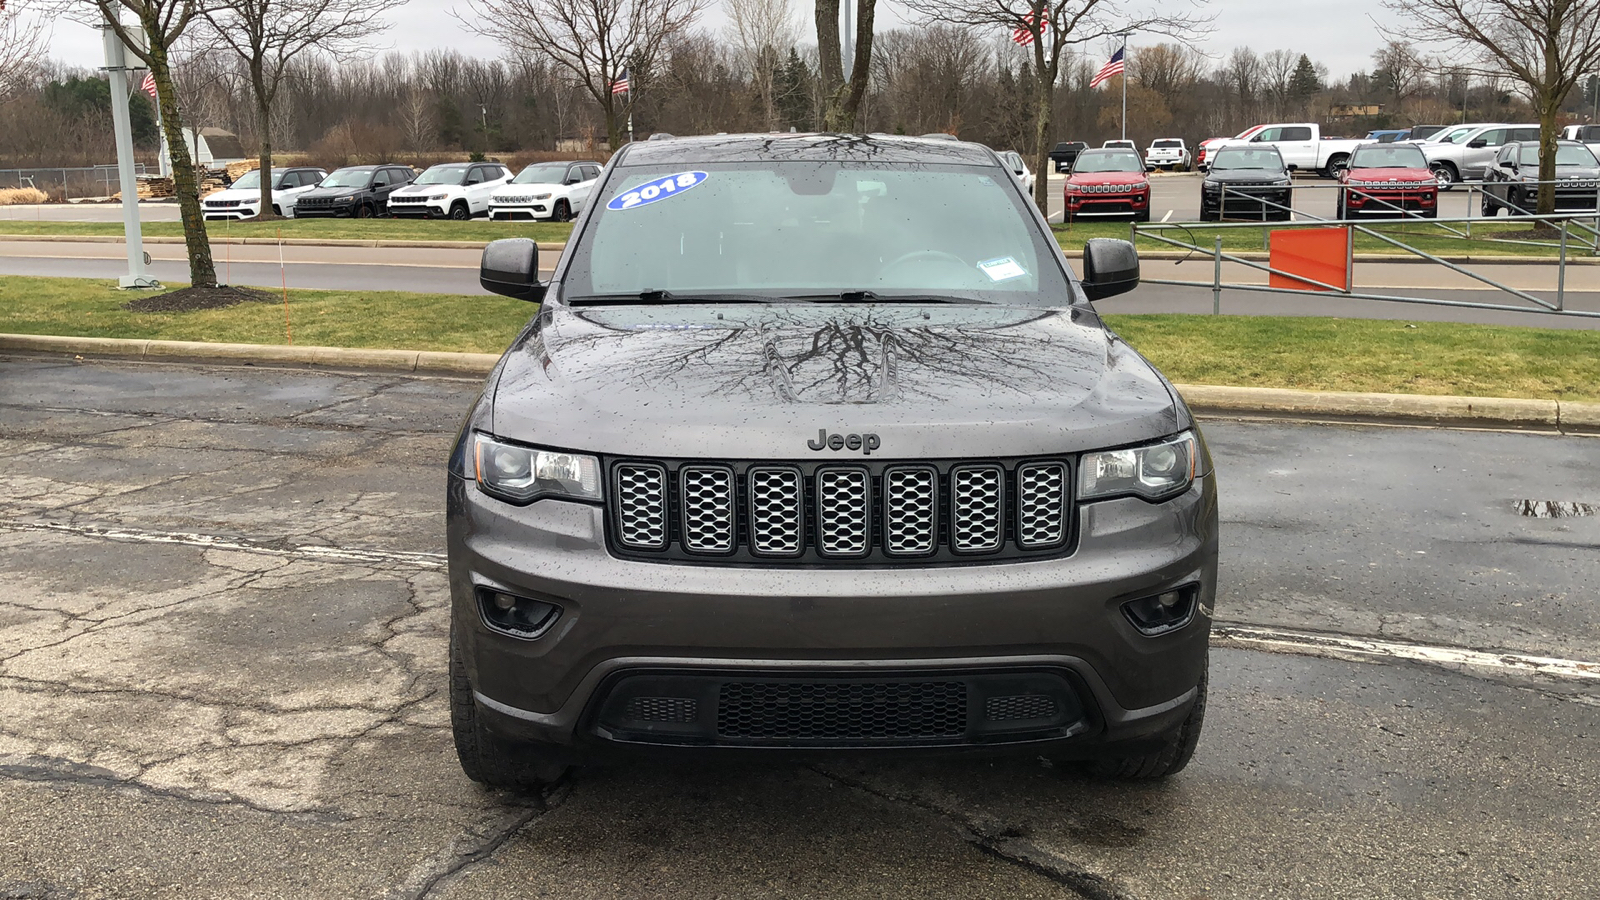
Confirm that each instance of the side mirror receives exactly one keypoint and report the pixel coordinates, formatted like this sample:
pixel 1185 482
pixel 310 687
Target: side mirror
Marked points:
pixel 1480 142
pixel 510 267
pixel 1110 267
pixel 1291 167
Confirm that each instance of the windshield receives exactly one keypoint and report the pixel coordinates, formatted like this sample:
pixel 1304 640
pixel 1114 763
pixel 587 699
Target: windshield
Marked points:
pixel 1566 155
pixel 550 173
pixel 1453 136
pixel 1102 161
pixel 443 175
pixel 348 178
pixel 822 231
pixel 1398 156
pixel 1243 158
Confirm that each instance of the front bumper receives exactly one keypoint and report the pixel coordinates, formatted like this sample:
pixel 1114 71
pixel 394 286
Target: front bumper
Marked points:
pixel 418 210
pixel 624 620
pixel 1390 202
pixel 222 213
pixel 1106 204
pixel 326 212
pixel 1248 202
pixel 539 210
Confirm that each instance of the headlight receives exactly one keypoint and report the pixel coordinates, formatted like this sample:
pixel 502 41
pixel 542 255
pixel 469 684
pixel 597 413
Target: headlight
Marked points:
pixel 437 197
pixel 344 199
pixel 1142 186
pixel 1071 189
pixel 541 196
pixel 1154 472
pixel 524 474
pixel 1284 183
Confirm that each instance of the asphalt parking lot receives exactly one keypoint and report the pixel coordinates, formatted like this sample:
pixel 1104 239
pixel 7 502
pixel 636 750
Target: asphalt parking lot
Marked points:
pixel 222 654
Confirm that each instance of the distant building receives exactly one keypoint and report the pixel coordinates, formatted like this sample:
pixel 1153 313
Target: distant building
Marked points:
pixel 209 148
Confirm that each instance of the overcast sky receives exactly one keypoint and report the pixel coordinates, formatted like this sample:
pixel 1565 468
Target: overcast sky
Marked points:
pixel 1343 40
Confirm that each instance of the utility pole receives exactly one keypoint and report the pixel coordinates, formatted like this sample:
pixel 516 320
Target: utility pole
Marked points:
pixel 122 126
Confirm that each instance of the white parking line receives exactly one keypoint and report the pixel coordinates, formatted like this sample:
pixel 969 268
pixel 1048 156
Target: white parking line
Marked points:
pixel 1370 649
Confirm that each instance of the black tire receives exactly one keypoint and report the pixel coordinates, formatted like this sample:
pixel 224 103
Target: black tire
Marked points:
pixel 1431 214
pixel 1210 216
pixel 1336 164
pixel 362 211
pixel 1167 761
pixel 486 757
pixel 1519 203
pixel 1142 216
pixel 1447 176
pixel 562 212
pixel 460 212
pixel 1488 207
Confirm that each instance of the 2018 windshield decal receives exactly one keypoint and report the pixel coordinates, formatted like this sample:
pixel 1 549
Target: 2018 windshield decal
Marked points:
pixel 659 189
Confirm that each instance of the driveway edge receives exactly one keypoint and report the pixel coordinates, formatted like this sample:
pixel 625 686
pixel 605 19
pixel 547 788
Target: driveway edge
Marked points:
pixel 1499 413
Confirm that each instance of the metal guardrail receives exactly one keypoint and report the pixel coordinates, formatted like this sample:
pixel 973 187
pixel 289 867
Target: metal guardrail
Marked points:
pixel 1457 227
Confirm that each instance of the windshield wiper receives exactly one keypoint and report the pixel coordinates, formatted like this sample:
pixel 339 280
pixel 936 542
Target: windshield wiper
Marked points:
pixel 865 296
pixel 657 295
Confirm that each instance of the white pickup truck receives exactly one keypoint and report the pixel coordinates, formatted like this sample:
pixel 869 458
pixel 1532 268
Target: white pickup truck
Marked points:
pixel 1303 147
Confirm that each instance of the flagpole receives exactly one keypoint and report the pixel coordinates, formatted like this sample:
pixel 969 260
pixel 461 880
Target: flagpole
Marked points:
pixel 1125 84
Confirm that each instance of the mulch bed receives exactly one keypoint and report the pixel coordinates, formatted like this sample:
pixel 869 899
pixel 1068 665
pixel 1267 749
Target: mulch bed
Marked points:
pixel 190 299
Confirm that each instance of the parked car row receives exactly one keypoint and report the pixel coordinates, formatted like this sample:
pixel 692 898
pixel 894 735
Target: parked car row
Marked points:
pixel 555 190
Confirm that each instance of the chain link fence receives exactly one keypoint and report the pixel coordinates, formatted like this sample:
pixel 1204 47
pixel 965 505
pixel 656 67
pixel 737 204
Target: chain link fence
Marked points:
pixel 63 184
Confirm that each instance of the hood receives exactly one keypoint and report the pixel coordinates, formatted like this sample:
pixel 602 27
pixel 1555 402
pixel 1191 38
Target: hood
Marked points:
pixel 1400 176
pixel 1108 178
pixel 1563 173
pixel 414 188
pixel 512 190
pixel 320 192
pixel 245 194
pixel 759 382
pixel 1244 176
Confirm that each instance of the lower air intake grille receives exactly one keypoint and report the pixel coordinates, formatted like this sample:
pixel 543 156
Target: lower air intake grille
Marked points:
pixel 1014 709
pixel 661 709
pixel 833 711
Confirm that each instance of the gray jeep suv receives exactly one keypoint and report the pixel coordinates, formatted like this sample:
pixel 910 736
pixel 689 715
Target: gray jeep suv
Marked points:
pixel 817 444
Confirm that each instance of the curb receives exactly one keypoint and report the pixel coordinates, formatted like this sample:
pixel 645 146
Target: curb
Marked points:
pixel 259 241
pixel 1496 413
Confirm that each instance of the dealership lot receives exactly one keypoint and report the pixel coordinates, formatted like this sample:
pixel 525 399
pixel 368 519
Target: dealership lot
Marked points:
pixel 222 654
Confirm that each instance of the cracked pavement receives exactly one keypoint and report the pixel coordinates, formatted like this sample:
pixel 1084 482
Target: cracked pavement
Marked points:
pixel 222 640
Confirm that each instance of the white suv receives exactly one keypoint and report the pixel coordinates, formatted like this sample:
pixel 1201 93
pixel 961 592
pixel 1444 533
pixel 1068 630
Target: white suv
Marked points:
pixel 243 199
pixel 1167 153
pixel 450 191
pixel 554 190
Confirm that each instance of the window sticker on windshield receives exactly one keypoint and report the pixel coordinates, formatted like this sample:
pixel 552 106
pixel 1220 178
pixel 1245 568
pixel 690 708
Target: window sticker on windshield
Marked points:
pixel 1003 269
pixel 659 189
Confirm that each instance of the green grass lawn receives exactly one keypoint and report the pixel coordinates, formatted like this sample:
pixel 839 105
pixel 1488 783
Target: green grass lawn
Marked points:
pixel 1257 351
pixel 86 308
pixel 328 229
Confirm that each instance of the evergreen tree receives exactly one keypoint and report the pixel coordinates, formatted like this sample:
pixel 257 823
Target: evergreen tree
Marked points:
pixel 792 93
pixel 1304 83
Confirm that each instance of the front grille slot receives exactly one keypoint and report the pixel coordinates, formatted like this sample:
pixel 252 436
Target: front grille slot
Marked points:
pixel 910 510
pixel 661 709
pixel 842 711
pixel 707 504
pixel 1019 708
pixel 977 494
pixel 641 490
pixel 871 513
pixel 842 512
pixel 1041 505
pixel 776 517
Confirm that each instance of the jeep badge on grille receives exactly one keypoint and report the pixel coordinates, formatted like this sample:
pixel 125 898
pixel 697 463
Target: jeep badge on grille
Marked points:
pixel 825 441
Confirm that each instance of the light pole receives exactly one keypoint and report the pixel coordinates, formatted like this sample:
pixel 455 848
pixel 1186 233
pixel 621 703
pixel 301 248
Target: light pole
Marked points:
pixel 122 127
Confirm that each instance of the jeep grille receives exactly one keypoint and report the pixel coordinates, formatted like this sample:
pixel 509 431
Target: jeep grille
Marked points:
pixel 871 513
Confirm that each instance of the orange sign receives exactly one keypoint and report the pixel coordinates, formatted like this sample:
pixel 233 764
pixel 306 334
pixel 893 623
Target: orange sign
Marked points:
pixel 1319 254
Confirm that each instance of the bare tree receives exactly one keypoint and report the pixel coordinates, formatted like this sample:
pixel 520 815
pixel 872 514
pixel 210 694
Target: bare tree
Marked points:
pixel 1242 75
pixel 156 28
pixel 595 40
pixel 1546 46
pixel 203 77
pixel 1277 73
pixel 1056 25
pixel 22 48
pixel 416 119
pixel 763 31
pixel 1402 71
pixel 841 98
pixel 1171 70
pixel 268 35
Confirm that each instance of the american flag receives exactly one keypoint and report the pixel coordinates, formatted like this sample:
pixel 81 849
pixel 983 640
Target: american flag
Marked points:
pixel 1113 67
pixel 1024 34
pixel 620 86
pixel 149 85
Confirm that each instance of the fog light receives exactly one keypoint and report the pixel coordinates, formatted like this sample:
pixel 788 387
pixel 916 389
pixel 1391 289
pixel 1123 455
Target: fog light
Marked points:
pixel 1163 612
pixel 521 617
